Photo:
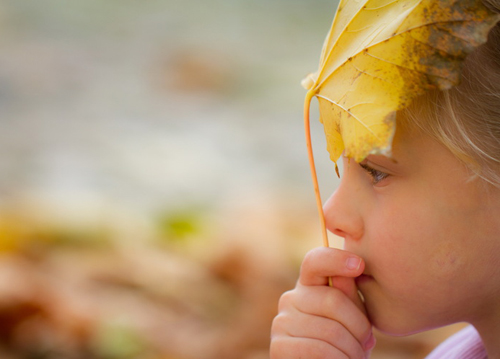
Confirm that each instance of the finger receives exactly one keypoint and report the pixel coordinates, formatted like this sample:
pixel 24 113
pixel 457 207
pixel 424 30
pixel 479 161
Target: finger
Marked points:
pixel 300 325
pixel 284 347
pixel 329 303
pixel 348 286
pixel 322 263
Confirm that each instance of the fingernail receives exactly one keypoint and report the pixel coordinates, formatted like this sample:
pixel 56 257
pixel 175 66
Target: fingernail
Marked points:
pixel 370 342
pixel 353 263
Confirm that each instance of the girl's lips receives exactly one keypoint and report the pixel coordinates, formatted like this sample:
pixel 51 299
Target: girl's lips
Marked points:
pixel 363 278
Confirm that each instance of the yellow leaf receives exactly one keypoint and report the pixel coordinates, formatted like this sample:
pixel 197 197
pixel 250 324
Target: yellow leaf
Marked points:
pixel 381 54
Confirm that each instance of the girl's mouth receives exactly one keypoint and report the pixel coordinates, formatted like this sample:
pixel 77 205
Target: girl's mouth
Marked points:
pixel 363 278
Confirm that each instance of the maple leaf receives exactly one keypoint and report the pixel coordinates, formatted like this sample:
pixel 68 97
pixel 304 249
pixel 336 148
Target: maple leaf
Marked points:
pixel 381 54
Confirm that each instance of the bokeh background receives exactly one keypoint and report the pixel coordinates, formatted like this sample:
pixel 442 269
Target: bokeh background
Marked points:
pixel 155 196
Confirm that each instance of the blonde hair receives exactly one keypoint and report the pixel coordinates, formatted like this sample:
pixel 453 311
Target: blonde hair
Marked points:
pixel 466 118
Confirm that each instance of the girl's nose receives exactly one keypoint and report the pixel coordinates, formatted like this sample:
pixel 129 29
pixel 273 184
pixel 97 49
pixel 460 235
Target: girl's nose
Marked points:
pixel 343 210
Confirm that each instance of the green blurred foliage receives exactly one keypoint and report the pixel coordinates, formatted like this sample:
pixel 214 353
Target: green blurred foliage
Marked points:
pixel 178 226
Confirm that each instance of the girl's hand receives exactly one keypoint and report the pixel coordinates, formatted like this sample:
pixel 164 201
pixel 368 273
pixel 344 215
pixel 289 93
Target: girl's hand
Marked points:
pixel 318 321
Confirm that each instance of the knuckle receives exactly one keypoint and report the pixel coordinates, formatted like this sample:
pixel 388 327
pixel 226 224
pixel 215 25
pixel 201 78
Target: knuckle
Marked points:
pixel 324 258
pixel 333 300
pixel 313 256
pixel 278 325
pixel 286 300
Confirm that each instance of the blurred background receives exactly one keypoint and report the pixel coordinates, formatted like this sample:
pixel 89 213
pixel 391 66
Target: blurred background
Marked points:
pixel 155 195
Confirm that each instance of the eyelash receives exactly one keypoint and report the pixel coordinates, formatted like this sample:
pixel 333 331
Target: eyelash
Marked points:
pixel 376 175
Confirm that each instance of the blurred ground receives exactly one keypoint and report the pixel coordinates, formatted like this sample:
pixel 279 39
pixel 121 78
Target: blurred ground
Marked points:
pixel 155 198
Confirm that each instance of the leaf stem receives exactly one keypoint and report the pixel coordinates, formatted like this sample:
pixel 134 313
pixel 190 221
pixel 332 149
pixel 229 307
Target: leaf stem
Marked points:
pixel 319 204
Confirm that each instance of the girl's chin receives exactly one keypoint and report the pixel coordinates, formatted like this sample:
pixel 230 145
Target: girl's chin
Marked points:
pixel 393 332
pixel 385 320
pixel 395 327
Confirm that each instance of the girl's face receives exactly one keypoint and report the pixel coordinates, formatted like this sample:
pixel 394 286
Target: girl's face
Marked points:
pixel 428 234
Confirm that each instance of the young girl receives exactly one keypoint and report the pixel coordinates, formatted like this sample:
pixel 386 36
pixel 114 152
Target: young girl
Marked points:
pixel 421 231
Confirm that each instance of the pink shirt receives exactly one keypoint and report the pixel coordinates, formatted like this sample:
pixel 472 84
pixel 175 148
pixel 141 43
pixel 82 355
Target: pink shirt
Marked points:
pixel 466 344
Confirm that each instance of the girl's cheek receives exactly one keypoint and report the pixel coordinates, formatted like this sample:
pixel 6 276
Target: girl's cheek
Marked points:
pixel 446 261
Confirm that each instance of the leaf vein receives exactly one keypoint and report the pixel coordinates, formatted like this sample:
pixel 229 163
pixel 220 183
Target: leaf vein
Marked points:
pixel 379 7
pixel 403 67
pixel 350 113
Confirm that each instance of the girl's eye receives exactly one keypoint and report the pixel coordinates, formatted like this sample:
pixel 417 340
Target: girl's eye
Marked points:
pixel 376 175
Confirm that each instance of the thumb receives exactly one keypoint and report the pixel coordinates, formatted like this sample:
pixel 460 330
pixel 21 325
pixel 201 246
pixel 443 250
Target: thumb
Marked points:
pixel 347 285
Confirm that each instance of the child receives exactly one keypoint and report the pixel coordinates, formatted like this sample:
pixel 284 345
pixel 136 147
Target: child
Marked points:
pixel 421 231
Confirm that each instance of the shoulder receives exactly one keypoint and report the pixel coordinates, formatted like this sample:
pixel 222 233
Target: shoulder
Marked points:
pixel 466 344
